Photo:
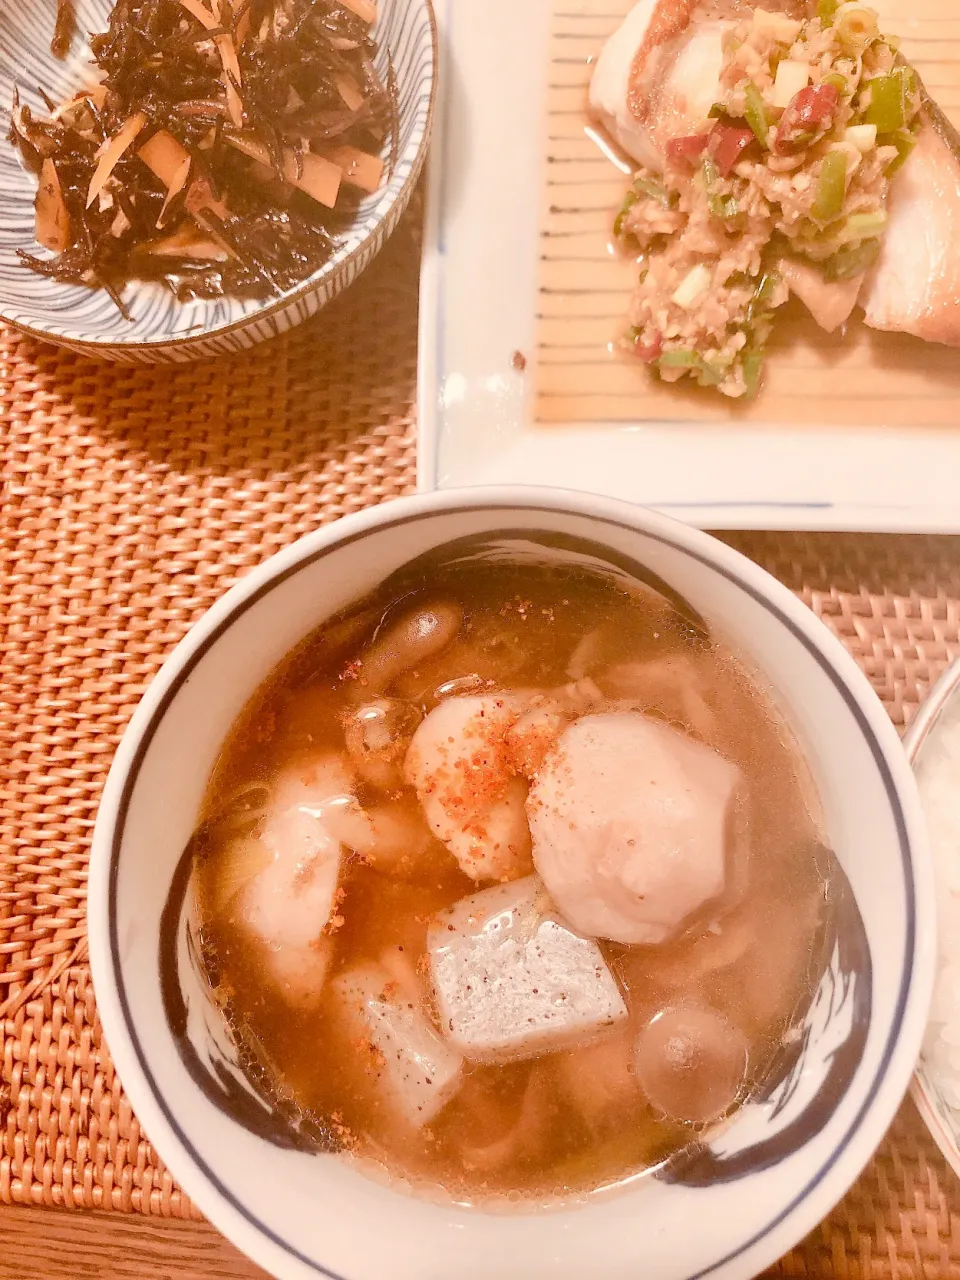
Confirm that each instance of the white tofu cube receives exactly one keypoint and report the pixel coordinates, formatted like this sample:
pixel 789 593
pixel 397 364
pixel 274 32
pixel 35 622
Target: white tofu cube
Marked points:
pixel 512 980
pixel 419 1069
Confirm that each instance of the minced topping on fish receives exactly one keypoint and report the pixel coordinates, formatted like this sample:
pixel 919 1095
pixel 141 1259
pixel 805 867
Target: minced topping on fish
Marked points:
pixel 781 188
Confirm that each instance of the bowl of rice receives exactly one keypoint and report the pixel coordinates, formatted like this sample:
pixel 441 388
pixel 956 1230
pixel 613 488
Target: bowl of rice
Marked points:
pixel 933 746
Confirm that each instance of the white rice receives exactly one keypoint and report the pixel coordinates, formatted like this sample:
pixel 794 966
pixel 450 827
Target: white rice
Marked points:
pixel 938 775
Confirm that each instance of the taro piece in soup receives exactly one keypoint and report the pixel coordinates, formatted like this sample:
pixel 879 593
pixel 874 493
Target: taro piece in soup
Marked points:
pixel 508 881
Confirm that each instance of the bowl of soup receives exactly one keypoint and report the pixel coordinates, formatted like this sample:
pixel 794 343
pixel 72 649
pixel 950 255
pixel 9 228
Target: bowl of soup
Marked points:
pixel 515 881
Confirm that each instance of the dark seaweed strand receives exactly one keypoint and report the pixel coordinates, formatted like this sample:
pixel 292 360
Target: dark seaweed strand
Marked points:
pixel 156 58
pixel 64 30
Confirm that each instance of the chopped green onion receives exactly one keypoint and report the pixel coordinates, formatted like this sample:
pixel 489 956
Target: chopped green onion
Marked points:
pixel 856 27
pixel 755 113
pixel 679 358
pixel 708 373
pixel 839 82
pixel 762 296
pixel 711 373
pixel 851 261
pixel 904 141
pixel 886 103
pixel 718 111
pixel 860 226
pixel 911 83
pixel 761 329
pixel 831 187
pixel 695 283
pixel 629 200
pixel 863 137
pixel 827 11
pixel 723 206
pixel 766 289
pixel 653 189
pixel 752 362
pixel 791 76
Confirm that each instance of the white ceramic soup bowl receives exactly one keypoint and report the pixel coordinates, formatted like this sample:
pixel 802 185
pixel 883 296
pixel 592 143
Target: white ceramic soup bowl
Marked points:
pixel 757 1187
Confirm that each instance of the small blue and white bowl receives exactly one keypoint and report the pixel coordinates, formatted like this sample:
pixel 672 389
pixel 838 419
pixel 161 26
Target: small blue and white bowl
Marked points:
pixel 757 1186
pixel 935 1085
pixel 162 329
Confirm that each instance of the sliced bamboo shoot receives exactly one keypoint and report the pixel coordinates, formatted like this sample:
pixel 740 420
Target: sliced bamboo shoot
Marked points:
pixel 176 186
pixel 110 152
pixel 349 93
pixel 164 156
pixel 243 26
pixel 364 9
pixel 53 220
pixel 201 13
pixel 231 77
pixel 360 168
pixel 188 244
pixel 228 54
pixel 318 177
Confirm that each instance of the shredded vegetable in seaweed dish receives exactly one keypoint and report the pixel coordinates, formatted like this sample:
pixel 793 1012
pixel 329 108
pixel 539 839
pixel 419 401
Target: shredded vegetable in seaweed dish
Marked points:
pixel 222 146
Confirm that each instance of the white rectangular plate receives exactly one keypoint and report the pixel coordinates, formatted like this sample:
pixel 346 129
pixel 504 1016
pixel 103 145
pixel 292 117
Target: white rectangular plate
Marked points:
pixel 478 307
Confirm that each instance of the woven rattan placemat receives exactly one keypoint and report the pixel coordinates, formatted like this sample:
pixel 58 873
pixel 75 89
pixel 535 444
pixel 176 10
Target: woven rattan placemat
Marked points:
pixel 131 499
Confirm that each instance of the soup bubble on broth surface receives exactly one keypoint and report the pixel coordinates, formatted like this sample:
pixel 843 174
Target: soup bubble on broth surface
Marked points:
pixel 691 1062
pixel 496 880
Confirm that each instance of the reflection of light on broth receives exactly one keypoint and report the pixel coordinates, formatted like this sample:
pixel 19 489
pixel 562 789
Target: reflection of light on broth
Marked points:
pixel 502 1121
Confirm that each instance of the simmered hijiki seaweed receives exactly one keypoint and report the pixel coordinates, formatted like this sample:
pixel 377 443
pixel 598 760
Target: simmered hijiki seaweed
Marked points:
pixel 222 148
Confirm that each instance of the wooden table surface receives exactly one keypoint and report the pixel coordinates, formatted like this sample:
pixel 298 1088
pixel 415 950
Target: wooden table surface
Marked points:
pixel 50 1244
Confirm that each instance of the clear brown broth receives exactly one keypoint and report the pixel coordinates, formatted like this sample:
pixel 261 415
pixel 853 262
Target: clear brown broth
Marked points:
pixel 565 1122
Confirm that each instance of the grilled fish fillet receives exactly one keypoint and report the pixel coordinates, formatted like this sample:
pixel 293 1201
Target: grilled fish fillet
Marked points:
pixel 656 79
pixel 915 285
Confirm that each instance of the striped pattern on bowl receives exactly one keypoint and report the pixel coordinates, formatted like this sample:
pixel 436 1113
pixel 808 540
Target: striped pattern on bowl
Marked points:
pixel 163 329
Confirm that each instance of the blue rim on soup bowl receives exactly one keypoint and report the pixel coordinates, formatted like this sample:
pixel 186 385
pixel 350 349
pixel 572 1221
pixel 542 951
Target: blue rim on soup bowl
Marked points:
pixel 757 1185
pixel 163 330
